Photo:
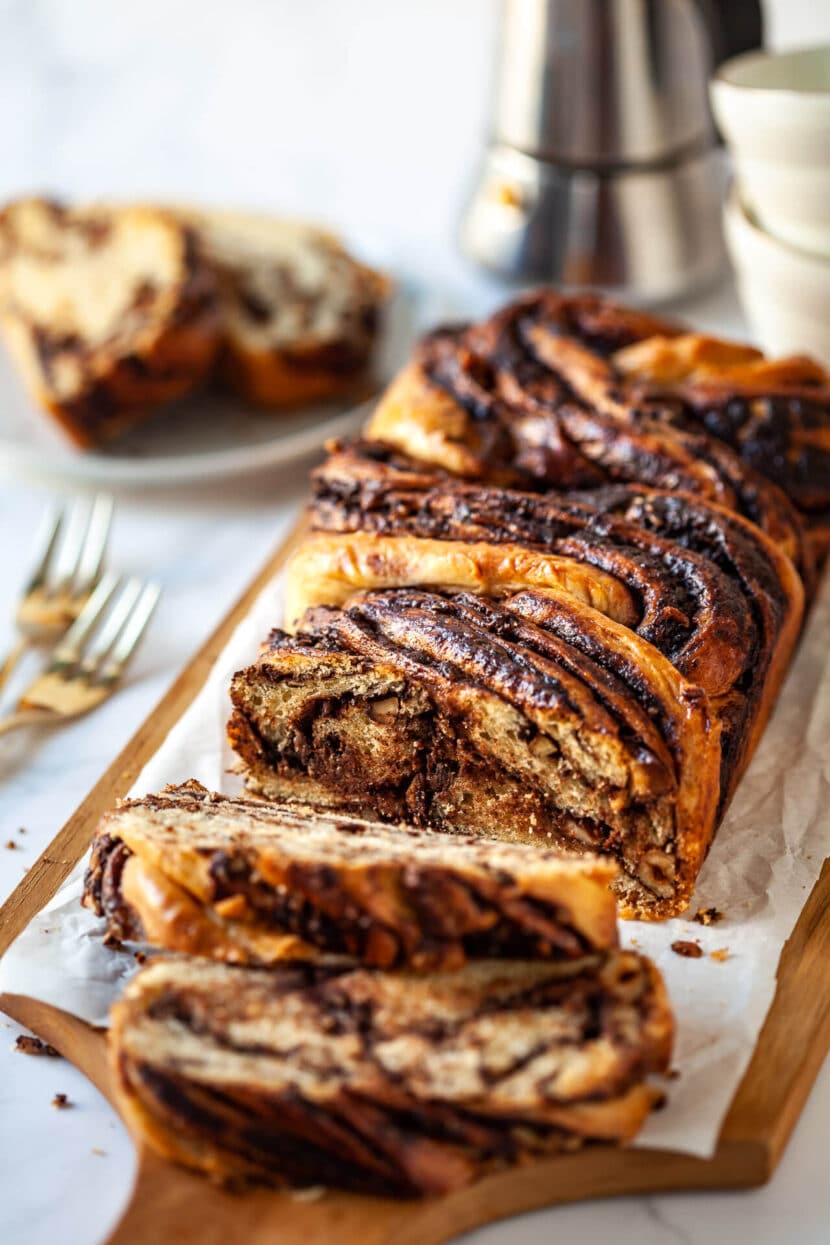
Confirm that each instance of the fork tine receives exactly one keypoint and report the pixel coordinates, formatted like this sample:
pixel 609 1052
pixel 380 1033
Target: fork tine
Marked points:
pixel 91 559
pixel 72 545
pixel 132 632
pixel 109 632
pixel 68 652
pixel 49 535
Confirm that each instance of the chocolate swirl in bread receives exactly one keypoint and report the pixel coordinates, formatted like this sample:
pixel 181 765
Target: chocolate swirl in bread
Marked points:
pixel 532 718
pixel 251 883
pixel 384 1082
pixel 535 398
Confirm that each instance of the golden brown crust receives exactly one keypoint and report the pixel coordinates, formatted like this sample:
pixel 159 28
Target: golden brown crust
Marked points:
pixel 425 423
pixel 163 913
pixel 694 357
pixel 327 569
pixel 278 381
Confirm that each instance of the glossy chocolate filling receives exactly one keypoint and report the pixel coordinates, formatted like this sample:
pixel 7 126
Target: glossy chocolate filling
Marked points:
pixel 532 423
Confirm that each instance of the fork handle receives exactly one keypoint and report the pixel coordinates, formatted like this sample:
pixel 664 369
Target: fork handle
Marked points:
pixel 12 658
pixel 25 717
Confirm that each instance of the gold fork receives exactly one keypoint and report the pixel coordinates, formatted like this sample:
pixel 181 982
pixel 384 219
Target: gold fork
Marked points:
pixel 69 566
pixel 87 664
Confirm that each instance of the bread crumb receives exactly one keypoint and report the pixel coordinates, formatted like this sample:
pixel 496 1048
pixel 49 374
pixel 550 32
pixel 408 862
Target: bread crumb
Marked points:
pixel 720 955
pixel 62 1102
pixel 10 845
pixel 28 1045
pixel 707 916
pixel 97 1150
pixel 692 950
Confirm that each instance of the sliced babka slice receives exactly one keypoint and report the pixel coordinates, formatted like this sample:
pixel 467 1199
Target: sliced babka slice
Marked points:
pixel 381 1082
pixel 108 311
pixel 300 315
pixel 532 718
pixel 248 882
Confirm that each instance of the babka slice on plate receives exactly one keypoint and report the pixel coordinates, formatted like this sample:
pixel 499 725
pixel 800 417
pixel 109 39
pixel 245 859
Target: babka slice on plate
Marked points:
pixel 108 311
pixel 392 1083
pixel 247 882
pixel 300 315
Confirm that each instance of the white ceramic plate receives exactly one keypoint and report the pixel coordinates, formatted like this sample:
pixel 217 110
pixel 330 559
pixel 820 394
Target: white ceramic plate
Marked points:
pixel 203 438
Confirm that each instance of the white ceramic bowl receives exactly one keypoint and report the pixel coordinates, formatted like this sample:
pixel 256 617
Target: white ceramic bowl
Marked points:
pixel 785 293
pixel 774 112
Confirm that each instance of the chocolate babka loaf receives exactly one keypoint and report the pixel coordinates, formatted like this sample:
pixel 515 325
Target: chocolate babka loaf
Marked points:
pixel 553 595
pixel 250 883
pixel 386 1082
pixel 300 315
pixel 571 392
pixel 107 311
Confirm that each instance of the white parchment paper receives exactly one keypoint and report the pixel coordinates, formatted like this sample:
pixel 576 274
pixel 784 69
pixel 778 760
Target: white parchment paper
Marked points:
pixel 765 860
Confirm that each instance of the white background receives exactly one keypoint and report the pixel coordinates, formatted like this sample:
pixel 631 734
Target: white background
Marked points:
pixel 369 114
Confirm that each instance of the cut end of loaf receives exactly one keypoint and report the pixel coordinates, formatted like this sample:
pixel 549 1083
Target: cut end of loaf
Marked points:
pixel 384 709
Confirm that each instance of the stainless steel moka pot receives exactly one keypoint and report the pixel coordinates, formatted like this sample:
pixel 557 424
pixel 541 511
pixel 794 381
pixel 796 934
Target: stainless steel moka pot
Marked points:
pixel 604 169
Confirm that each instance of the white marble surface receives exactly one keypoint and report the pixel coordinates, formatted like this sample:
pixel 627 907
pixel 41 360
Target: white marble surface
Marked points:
pixel 369 114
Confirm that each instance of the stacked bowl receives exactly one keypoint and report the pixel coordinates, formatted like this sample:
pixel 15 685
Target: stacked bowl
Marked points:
pixel 773 110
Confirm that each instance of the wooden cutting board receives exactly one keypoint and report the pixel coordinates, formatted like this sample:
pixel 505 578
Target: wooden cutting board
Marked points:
pixel 174 1205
